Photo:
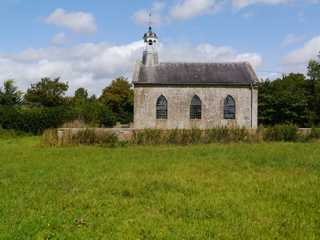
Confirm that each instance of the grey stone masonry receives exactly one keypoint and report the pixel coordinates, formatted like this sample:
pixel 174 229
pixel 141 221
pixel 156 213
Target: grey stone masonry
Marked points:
pixel 179 100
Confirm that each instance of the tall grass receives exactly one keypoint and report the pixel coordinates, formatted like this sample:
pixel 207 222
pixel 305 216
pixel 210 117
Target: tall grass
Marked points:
pixel 278 133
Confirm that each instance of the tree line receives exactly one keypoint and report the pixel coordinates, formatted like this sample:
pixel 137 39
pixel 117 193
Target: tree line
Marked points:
pixel 46 105
pixel 291 99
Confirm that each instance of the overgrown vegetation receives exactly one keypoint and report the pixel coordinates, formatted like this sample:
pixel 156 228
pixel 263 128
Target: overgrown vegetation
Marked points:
pixel 224 191
pixel 278 133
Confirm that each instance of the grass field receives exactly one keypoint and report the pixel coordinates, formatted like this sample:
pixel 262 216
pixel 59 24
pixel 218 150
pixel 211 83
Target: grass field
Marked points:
pixel 236 191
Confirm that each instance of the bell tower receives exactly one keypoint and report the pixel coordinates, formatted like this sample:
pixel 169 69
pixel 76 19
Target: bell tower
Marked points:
pixel 150 53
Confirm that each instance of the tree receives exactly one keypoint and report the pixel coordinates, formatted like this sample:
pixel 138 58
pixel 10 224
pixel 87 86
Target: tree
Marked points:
pixel 47 93
pixel 81 93
pixel 313 91
pixel 9 94
pixel 119 98
pixel 284 101
pixel 80 97
pixel 314 70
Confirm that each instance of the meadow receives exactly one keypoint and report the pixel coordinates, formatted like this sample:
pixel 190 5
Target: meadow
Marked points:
pixel 216 191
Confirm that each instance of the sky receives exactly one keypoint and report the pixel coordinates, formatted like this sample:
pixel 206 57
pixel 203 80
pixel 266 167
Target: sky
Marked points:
pixel 90 42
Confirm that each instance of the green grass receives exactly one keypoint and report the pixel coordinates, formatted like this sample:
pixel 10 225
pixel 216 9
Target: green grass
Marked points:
pixel 236 191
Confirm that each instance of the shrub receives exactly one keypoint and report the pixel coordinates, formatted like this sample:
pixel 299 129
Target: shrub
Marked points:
pixel 34 120
pixel 281 133
pixel 315 133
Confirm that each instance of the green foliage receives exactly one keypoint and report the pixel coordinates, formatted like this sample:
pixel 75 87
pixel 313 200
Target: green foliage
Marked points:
pixel 34 120
pixel 9 133
pixel 81 94
pixel 292 99
pixel 9 94
pixel 119 98
pixel 284 101
pixel 315 133
pixel 314 70
pixel 281 133
pixel 47 93
pixel 217 191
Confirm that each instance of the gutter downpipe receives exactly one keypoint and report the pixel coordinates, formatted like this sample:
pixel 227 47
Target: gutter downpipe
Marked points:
pixel 251 87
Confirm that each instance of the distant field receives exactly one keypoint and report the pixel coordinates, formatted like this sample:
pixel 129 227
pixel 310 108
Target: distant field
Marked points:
pixel 236 191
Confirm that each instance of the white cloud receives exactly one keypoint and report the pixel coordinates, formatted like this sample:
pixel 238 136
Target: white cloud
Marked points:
pixel 59 39
pixel 245 3
pixel 80 22
pixel 297 59
pixel 206 53
pixel 143 16
pixel 190 8
pixel 93 66
pixel 292 39
pixel 187 9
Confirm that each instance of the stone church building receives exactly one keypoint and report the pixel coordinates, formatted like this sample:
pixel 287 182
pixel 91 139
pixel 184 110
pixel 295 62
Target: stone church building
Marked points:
pixel 192 95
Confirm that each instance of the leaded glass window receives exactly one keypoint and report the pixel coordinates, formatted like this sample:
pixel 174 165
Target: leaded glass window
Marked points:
pixel 162 108
pixel 229 108
pixel 195 108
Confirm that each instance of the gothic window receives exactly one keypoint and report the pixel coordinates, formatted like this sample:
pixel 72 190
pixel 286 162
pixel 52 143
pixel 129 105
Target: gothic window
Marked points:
pixel 162 108
pixel 229 108
pixel 195 108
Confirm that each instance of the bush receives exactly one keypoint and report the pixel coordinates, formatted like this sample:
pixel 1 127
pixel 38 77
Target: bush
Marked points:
pixel 281 133
pixel 315 133
pixel 95 114
pixel 34 120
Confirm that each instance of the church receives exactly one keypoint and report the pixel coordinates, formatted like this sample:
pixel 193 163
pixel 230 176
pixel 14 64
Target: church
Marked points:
pixel 192 95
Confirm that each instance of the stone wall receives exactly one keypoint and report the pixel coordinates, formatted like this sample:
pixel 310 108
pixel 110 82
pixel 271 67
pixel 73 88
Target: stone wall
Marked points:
pixel 179 99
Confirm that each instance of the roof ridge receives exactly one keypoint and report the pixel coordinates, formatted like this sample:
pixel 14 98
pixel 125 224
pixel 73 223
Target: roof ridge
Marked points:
pixel 244 62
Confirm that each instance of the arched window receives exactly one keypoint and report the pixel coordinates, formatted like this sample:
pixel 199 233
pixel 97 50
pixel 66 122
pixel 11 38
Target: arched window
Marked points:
pixel 195 108
pixel 229 108
pixel 162 108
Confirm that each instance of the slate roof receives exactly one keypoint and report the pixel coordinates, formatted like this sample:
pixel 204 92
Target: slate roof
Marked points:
pixel 196 74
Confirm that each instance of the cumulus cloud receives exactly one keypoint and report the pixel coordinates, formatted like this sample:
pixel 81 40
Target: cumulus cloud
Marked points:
pixel 59 39
pixel 94 65
pixel 143 16
pixel 187 9
pixel 206 53
pixel 190 8
pixel 80 22
pixel 297 59
pixel 245 3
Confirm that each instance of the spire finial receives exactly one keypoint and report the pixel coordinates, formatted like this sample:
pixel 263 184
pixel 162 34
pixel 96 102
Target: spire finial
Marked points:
pixel 150 21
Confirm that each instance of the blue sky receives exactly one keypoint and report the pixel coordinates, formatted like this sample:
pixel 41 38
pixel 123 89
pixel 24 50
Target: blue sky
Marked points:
pixel 89 42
